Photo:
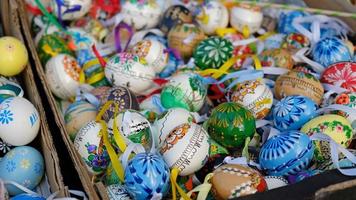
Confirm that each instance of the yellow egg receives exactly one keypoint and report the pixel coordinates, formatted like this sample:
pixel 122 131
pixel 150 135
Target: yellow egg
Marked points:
pixel 335 126
pixel 14 56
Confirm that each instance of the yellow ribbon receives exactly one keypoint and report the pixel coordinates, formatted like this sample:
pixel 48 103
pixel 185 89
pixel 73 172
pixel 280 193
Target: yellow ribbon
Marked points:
pixel 46 48
pixel 221 32
pixel 117 137
pixel 96 77
pixel 203 188
pixel 246 31
pixel 175 186
pixel 204 18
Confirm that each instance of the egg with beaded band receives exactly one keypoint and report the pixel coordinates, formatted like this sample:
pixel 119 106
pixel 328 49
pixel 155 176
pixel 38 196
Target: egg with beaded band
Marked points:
pixel 286 153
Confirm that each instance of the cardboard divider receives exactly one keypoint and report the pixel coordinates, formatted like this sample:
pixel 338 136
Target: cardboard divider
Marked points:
pixel 11 27
pixel 86 179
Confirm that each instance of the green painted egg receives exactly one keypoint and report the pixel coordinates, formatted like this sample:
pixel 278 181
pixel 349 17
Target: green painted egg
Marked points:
pixel 212 52
pixel 230 124
pixel 50 46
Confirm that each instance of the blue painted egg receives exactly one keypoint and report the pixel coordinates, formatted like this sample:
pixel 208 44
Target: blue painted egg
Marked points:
pixel 274 42
pixel 302 175
pixel 329 51
pixel 147 176
pixel 28 197
pixel 23 165
pixel 286 153
pixel 286 19
pixel 292 112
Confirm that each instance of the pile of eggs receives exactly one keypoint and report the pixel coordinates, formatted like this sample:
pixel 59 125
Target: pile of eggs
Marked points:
pixel 19 123
pixel 192 83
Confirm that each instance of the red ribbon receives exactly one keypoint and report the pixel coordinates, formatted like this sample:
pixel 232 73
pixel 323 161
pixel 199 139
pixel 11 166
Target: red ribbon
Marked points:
pixel 35 10
pixel 111 7
pixel 100 58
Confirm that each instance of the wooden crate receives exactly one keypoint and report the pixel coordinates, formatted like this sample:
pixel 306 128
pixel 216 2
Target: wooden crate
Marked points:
pixel 11 27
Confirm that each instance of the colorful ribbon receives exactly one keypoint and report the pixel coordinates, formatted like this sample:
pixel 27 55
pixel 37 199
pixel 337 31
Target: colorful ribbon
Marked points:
pixel 117 30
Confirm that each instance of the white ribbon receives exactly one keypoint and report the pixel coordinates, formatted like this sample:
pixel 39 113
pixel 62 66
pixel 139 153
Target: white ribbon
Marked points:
pixel 335 149
pixel 241 161
pixel 132 147
pixel 346 109
pixel 274 70
pixel 300 57
pixel 189 38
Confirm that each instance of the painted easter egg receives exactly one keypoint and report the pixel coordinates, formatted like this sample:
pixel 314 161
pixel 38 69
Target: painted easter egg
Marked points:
pixel 277 58
pixel 347 99
pixel 153 52
pixel 168 121
pixel 286 153
pixel 118 192
pixel 184 90
pixel 335 126
pixel 285 23
pixel 212 52
pixel 23 165
pixel 341 74
pixel 147 176
pixel 94 73
pixel 14 56
pixel 187 148
pixel 296 41
pixel 184 38
pixel 94 27
pixel 101 92
pixel 211 16
pixel 255 95
pixel 126 69
pixel 4 148
pixel 214 161
pixel 133 126
pixel 153 104
pixel 121 96
pixel 274 182
pixel 50 46
pixel 28 197
pixel 231 181
pixel 292 112
pixel 299 83
pixel 71 9
pixel 83 42
pixel 90 146
pixel 328 51
pixel 20 121
pixel 246 17
pixel 77 115
pixel 141 14
pixel 230 124
pixel 176 14
pixel 111 177
pixel 9 89
pixel 62 73
pixel 343 162
pixel 274 41
pixel 239 50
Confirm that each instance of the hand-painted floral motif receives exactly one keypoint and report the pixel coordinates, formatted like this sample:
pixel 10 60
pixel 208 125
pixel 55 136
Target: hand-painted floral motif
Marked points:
pixel 173 137
pixel 98 157
pixel 213 52
pixel 341 74
pixel 6 116
pixel 10 166
pixel 329 51
pixel 293 112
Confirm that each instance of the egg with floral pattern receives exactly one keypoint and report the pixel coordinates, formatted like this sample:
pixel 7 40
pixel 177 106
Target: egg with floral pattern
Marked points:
pixel 347 99
pixel 292 112
pixel 212 52
pixel 118 192
pixel 147 176
pixel 286 153
pixel 231 181
pixel 186 147
pixel 255 95
pixel 328 51
pixel 153 52
pixel 90 146
pixel 335 126
pixel 212 16
pixel 121 96
pixel 230 124
pixel 141 14
pixel 62 74
pixel 128 70
pixel 184 90
pixel 277 58
pixel 19 121
pixel 176 14
pixel 341 74
pixel 71 9
pixel 299 83
pixel 23 165
pixel 246 16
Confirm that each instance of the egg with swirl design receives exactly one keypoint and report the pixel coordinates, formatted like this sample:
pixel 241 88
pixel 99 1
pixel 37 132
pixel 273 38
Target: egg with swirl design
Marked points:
pixel 286 153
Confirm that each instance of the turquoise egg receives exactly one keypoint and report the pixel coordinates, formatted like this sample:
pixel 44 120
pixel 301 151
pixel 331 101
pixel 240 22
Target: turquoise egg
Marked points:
pixel 23 165
pixel 286 153
pixel 147 176
pixel 292 112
